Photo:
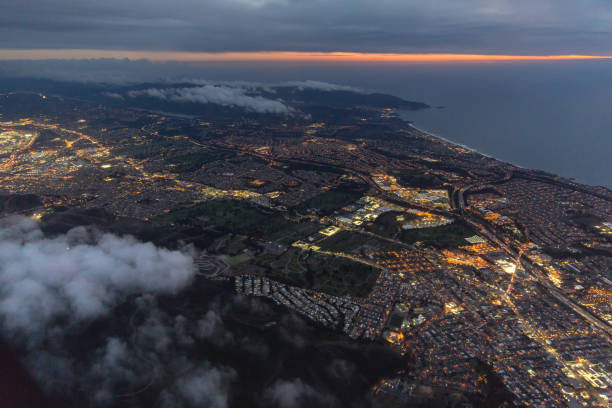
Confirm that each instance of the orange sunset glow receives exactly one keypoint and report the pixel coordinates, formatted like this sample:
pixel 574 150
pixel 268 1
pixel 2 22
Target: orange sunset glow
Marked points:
pixel 37 54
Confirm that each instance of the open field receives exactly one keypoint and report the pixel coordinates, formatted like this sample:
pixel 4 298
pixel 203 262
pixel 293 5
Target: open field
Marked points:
pixel 354 242
pixel 240 218
pixel 329 274
pixel 446 236
pixel 329 201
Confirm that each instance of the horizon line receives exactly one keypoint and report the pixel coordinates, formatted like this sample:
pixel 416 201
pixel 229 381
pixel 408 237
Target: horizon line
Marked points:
pixel 252 56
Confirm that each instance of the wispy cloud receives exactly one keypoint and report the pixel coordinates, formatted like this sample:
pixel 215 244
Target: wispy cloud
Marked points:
pixel 294 394
pixel 202 387
pixel 221 95
pixel 322 86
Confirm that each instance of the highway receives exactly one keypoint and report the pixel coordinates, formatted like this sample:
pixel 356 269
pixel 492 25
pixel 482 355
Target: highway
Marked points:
pixel 529 267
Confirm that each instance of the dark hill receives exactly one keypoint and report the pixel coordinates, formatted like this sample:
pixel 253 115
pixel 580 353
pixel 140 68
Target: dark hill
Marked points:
pixel 345 99
pixel 19 202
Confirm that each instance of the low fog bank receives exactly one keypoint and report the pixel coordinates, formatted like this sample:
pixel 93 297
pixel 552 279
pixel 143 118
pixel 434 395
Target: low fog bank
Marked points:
pixel 103 320
pixel 77 276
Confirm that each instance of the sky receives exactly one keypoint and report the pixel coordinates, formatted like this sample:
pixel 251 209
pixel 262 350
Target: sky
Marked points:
pixel 515 27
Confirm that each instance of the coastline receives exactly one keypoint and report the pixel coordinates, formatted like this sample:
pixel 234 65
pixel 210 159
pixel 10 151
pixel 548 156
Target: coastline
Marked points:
pixel 435 136
pixel 406 117
pixel 471 149
pixel 400 114
pixel 444 139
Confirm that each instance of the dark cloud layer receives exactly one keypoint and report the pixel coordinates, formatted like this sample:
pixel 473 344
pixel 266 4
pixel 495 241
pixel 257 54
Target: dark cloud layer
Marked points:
pixel 492 26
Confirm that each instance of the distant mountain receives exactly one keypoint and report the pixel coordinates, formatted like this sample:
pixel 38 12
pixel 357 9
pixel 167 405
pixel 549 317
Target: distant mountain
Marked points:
pixel 220 99
pixel 344 99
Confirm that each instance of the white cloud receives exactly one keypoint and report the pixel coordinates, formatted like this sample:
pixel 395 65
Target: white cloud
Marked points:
pixel 113 95
pixel 205 387
pixel 322 86
pixel 211 328
pixel 77 276
pixel 295 393
pixel 217 94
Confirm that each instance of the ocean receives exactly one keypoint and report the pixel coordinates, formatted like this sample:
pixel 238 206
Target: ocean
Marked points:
pixel 556 118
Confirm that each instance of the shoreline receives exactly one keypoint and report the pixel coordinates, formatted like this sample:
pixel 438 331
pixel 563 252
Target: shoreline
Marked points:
pixel 435 136
pixel 400 114
pixel 471 149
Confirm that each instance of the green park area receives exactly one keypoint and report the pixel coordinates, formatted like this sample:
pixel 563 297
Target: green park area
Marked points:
pixel 328 201
pixel 330 274
pixel 241 218
pixel 446 236
pixel 191 161
pixel 388 226
pixel 352 242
